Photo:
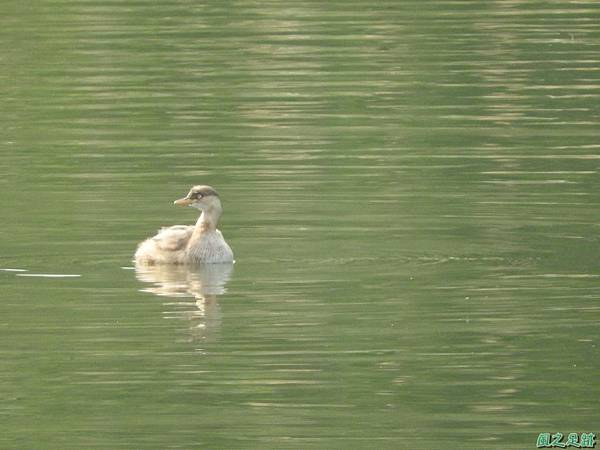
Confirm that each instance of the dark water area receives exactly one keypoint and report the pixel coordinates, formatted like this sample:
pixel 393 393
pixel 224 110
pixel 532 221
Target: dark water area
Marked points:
pixel 410 190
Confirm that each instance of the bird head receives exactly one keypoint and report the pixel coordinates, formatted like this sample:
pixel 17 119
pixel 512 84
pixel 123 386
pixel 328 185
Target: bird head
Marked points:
pixel 200 197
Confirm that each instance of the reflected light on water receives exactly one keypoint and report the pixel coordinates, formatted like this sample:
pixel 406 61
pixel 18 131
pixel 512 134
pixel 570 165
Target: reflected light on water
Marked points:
pixel 204 283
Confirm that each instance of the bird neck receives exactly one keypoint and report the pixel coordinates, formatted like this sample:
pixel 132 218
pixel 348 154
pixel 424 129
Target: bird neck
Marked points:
pixel 209 219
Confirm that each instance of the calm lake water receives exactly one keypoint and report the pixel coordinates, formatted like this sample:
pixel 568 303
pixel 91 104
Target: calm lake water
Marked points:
pixel 410 190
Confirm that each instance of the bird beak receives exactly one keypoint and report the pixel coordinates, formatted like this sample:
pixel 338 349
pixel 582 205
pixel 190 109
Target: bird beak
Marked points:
pixel 183 202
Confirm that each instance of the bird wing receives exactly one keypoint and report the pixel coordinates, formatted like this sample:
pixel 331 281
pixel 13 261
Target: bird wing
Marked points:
pixel 173 238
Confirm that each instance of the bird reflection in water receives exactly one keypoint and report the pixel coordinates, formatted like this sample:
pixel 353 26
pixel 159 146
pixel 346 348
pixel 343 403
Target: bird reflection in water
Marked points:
pixel 204 283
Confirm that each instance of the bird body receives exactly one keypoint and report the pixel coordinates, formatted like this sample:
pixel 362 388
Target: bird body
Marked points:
pixel 186 244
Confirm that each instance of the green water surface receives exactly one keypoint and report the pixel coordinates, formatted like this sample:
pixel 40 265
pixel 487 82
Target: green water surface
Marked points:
pixel 410 190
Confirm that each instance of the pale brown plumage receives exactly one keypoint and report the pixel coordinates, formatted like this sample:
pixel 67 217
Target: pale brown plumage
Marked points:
pixel 182 244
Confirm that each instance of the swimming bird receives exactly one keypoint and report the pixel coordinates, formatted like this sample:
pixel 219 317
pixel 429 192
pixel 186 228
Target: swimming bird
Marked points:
pixel 188 244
